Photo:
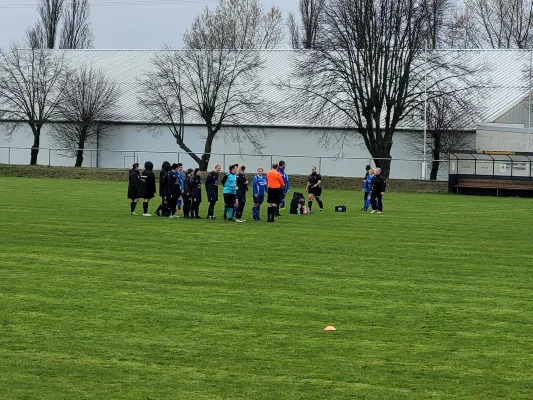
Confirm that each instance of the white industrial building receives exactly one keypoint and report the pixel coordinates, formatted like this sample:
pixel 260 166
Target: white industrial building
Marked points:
pixel 504 124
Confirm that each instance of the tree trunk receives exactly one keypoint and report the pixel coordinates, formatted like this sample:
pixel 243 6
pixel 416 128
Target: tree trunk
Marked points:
pixel 384 165
pixel 79 152
pixel 204 163
pixel 435 164
pixel 36 143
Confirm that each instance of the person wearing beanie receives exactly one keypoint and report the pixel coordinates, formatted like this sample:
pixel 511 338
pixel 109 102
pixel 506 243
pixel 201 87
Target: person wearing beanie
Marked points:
pixel 147 187
pixel 379 185
pixel 275 186
pixel 230 192
pixel 314 190
pixel 134 186
pixel 242 188
pixel 186 194
pixel 196 193
pixel 211 187
pixel 162 210
pixel 259 188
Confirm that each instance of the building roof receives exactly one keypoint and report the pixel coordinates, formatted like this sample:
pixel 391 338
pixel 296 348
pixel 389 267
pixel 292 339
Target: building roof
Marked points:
pixel 503 78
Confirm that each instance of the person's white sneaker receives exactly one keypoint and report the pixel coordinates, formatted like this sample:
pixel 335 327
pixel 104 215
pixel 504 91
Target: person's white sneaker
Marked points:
pixel 171 216
pixel 379 212
pixel 240 220
pixel 147 215
pixel 373 212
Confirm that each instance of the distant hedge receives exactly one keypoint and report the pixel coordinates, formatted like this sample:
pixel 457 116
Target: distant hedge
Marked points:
pixel 329 182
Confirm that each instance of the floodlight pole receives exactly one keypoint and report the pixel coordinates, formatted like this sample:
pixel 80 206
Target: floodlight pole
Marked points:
pixel 424 162
pixel 529 108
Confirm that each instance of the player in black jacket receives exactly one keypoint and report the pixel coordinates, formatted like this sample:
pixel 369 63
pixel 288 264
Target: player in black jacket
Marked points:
pixel 172 189
pixel 134 186
pixel 379 185
pixel 211 187
pixel 314 189
pixel 147 187
pixel 163 209
pixel 186 195
pixel 196 193
pixel 242 188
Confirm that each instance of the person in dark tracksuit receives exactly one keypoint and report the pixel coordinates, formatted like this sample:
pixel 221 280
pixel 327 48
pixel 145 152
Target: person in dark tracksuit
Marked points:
pixel 367 189
pixel 163 209
pixel 179 179
pixel 211 187
pixel 186 194
pixel 314 190
pixel 379 185
pixel 242 188
pixel 286 188
pixel 147 187
pixel 172 189
pixel 196 193
pixel 134 186
pixel 259 188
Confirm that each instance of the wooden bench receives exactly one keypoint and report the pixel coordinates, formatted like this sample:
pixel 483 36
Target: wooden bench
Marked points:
pixel 494 184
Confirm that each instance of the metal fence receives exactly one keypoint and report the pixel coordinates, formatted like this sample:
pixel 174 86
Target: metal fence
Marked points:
pixel 401 168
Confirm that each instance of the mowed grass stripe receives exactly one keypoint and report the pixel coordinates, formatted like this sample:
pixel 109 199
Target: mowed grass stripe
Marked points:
pixel 431 299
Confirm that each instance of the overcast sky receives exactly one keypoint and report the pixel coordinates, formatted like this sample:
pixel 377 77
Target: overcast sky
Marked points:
pixel 122 24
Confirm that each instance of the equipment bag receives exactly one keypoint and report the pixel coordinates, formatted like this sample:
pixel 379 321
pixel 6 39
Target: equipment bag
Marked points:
pixel 340 208
pixel 296 197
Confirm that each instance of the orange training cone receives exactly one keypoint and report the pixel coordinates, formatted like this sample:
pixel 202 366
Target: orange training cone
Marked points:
pixel 330 328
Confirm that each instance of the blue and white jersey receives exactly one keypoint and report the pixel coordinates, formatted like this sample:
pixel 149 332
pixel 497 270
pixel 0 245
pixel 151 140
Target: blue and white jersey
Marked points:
pixel 259 184
pixel 368 184
pixel 179 179
pixel 285 180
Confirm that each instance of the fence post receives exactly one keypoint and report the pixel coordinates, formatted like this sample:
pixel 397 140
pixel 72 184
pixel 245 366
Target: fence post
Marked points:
pixel 134 157
pixel 9 155
pixel 179 156
pixel 320 165
pixel 271 162
pixel 49 155
pixel 224 161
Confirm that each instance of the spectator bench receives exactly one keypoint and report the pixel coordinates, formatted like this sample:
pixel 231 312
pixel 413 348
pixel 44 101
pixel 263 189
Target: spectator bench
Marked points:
pixel 508 185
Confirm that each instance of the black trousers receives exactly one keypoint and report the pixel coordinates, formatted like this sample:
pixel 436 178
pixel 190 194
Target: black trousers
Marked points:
pixel 211 208
pixel 240 209
pixel 376 201
pixel 186 206
pixel 195 205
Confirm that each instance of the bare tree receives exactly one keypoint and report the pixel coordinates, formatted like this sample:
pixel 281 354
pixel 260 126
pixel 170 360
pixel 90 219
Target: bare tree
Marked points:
pixel 161 97
pixel 35 38
pixel 76 31
pixel 449 115
pixel 502 24
pixel 217 79
pixel 305 35
pixel 360 73
pixel 31 86
pixel 88 110
pixel 50 12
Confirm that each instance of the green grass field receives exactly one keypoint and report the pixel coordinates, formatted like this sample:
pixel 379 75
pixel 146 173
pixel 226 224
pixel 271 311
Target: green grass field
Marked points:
pixel 432 299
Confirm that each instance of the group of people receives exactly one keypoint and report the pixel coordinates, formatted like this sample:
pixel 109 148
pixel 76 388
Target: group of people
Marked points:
pixel 181 191
pixel 374 188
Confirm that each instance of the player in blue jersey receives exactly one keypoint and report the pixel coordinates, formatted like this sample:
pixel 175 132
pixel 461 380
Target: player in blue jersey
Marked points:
pixel 286 188
pixel 367 189
pixel 179 181
pixel 259 186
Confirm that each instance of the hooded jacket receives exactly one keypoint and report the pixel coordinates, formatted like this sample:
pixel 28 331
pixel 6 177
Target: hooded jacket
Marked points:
pixel 134 184
pixel 379 184
pixel 147 189
pixel 162 179
pixel 196 188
